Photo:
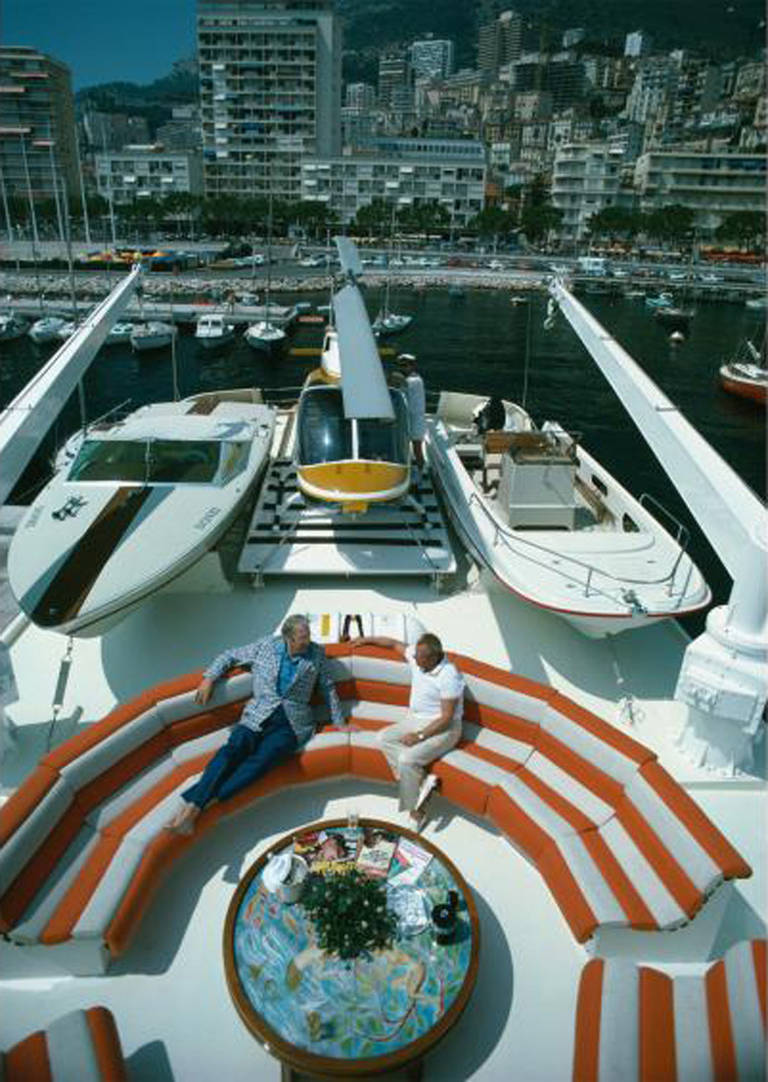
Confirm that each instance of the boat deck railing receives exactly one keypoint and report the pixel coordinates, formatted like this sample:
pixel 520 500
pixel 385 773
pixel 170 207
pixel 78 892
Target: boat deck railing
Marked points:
pixel 580 571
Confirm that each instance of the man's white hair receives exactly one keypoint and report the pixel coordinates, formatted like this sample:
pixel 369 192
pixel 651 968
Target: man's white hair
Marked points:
pixel 292 623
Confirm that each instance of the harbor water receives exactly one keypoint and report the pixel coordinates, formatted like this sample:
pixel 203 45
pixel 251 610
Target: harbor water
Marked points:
pixel 480 343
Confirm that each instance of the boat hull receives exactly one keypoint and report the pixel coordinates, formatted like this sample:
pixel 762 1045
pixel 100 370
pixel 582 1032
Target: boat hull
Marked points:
pixel 537 571
pixel 753 390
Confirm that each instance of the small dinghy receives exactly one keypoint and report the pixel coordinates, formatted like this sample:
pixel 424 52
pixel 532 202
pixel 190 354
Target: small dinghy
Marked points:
pixel 134 505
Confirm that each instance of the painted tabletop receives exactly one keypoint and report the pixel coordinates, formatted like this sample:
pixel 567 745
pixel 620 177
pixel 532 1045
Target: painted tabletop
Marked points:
pixel 374 1005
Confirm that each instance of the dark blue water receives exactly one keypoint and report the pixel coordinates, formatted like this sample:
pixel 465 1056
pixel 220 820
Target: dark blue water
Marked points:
pixel 485 345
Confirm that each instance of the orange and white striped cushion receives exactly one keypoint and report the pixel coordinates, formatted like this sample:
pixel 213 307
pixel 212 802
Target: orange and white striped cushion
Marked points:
pixel 636 1022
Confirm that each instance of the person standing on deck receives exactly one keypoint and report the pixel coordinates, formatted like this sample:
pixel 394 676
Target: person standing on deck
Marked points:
pixel 416 399
pixel 432 725
pixel 276 721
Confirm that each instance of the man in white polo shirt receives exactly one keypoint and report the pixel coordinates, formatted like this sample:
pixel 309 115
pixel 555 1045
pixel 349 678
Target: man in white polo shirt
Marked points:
pixel 433 723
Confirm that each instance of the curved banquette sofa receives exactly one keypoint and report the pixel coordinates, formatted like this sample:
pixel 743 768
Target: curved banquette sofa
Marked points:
pixel 617 841
pixel 636 1022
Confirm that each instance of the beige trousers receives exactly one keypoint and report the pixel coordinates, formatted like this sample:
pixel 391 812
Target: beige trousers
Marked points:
pixel 407 763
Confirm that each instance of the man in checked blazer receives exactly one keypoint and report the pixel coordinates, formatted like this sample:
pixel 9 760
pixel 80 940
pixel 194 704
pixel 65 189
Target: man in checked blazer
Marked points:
pixel 276 721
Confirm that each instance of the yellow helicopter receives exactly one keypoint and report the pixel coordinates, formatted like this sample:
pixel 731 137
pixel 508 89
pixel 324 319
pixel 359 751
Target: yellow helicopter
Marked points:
pixel 352 443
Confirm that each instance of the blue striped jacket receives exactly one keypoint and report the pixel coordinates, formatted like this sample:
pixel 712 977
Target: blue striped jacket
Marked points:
pixel 263 657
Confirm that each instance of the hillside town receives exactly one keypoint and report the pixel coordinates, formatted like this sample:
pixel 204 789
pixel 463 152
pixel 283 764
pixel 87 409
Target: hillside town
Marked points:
pixel 552 139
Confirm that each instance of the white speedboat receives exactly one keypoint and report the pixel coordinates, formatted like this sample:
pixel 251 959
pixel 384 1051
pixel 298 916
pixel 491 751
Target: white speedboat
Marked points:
pixel 47 329
pixel 213 331
pixel 265 336
pixel 12 327
pixel 119 334
pixel 143 500
pixel 152 335
pixel 554 526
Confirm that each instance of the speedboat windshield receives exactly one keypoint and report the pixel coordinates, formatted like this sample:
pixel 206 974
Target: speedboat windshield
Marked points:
pixel 157 461
pixel 325 434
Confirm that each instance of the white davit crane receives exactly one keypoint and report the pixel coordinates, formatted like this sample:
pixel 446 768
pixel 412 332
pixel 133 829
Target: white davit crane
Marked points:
pixel 26 420
pixel 724 675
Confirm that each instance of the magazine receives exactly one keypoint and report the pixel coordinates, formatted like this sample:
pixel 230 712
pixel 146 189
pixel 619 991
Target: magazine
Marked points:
pixel 410 861
pixel 376 853
pixel 327 851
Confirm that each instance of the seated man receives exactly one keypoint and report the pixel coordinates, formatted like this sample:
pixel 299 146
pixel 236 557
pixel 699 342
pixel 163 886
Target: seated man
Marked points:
pixel 433 723
pixel 276 721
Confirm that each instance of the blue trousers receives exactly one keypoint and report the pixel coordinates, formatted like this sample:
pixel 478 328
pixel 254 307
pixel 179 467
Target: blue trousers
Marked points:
pixel 244 758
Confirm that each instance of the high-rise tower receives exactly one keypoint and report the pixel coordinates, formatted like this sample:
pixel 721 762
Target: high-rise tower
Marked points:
pixel 270 92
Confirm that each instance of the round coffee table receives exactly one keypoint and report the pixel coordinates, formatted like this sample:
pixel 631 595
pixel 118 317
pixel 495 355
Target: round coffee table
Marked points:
pixel 376 1013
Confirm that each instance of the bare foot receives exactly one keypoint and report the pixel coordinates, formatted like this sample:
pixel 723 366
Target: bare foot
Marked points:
pixel 183 821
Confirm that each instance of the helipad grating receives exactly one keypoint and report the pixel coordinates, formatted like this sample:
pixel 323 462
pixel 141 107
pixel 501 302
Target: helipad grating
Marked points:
pixel 287 536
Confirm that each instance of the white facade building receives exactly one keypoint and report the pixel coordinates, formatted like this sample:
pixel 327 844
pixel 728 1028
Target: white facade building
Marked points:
pixel 432 58
pixel 270 92
pixel 638 43
pixel 586 179
pixel 711 184
pixel 141 172
pixel 405 172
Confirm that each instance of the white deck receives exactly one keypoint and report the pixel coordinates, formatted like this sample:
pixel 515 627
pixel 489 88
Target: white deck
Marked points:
pixel 169 987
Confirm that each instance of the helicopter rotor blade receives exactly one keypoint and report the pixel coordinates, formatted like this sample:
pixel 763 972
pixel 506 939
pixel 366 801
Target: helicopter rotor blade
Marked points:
pixel 349 257
pixel 363 384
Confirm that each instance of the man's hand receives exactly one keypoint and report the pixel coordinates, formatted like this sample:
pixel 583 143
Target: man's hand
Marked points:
pixel 409 739
pixel 203 691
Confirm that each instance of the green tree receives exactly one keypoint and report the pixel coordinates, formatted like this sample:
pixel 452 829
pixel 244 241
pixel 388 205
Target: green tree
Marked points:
pixel 672 222
pixel 746 227
pixel 614 222
pixel 493 222
pixel 375 218
pixel 538 221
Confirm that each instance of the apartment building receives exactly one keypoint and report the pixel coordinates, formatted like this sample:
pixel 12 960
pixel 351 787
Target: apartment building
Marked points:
pixel 586 178
pixel 270 92
pixel 38 140
pixel 710 184
pixel 404 172
pixel 432 58
pixel 141 172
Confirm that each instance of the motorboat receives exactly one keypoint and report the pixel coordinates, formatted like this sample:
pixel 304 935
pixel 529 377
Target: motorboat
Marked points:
pixel 47 329
pixel 553 526
pixel 12 327
pixel 667 732
pixel 152 335
pixel 67 329
pixel 140 501
pixel 119 334
pixel 213 331
pixel 674 316
pixel 746 374
pixel 759 304
pixel 661 300
pixel 265 336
